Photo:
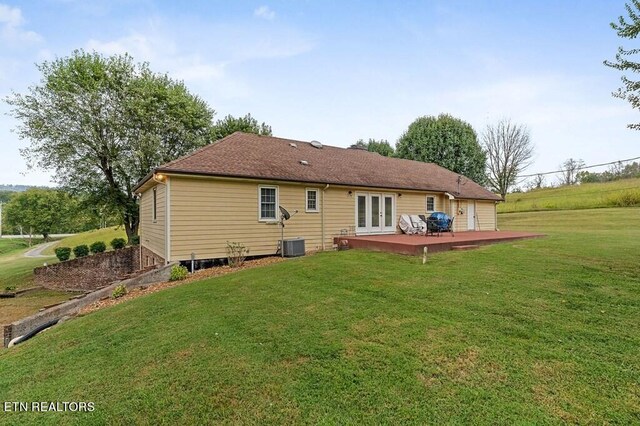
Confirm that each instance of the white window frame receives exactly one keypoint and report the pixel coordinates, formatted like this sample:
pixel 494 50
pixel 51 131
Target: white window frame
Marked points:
pixel 154 205
pixel 306 200
pixel 427 203
pixel 267 219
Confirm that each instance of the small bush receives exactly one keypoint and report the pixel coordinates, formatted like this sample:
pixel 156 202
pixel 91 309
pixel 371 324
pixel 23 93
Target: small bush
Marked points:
pixel 63 253
pixel 119 291
pixel 81 251
pixel 98 247
pixel 10 287
pixel 178 272
pixel 236 254
pixel 118 243
pixel 135 240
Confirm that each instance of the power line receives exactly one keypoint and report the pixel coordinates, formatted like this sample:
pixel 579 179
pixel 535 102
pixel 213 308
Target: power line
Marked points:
pixel 579 168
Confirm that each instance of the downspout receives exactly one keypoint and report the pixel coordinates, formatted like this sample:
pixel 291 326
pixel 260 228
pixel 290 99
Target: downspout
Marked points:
pixel 167 218
pixel 139 198
pixel 322 217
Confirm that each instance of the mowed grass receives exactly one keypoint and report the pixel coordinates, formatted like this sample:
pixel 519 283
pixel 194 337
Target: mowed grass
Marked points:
pixel 16 273
pixel 536 331
pixel 15 269
pixel 620 193
pixel 105 235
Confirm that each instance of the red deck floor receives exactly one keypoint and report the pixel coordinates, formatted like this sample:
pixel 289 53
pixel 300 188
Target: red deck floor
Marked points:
pixel 414 244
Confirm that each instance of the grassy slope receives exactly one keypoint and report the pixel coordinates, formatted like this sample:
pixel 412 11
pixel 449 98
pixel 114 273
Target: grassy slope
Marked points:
pixel 539 331
pixel 16 270
pixel 105 235
pixel 621 193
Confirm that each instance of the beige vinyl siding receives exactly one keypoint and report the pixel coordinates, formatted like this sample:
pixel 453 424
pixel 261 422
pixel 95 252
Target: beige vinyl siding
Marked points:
pixel 206 213
pixel 416 203
pixel 460 221
pixel 486 215
pixel 152 233
pixel 340 212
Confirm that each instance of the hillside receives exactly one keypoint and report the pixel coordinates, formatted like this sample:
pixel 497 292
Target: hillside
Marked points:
pixel 620 193
pixel 105 235
pixel 540 331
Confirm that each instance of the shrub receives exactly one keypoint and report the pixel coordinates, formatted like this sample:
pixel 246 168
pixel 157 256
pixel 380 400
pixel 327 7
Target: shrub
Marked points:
pixel 178 272
pixel 81 251
pixel 10 287
pixel 119 291
pixel 135 240
pixel 98 247
pixel 625 199
pixel 236 254
pixel 118 243
pixel 63 253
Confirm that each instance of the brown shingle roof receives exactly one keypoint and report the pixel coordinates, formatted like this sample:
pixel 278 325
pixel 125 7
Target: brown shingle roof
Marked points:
pixel 264 157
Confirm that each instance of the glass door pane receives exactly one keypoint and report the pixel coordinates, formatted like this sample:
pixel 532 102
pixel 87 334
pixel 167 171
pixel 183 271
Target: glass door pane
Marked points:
pixel 375 211
pixel 388 212
pixel 362 211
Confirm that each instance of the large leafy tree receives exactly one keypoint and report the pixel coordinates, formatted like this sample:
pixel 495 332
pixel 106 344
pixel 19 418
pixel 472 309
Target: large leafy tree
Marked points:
pixel 247 124
pixel 509 151
pixel 102 123
pixel 446 141
pixel 629 28
pixel 40 211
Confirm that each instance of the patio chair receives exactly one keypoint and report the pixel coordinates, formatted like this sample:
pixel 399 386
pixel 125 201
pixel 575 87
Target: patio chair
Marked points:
pixel 432 226
pixel 450 227
pixel 418 224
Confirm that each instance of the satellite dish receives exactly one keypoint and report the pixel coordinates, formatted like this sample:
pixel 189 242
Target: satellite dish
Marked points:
pixel 285 214
pixel 316 144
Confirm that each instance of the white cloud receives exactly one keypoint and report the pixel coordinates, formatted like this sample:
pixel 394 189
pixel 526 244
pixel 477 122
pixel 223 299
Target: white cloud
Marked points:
pixel 185 51
pixel 140 46
pixel 12 22
pixel 265 13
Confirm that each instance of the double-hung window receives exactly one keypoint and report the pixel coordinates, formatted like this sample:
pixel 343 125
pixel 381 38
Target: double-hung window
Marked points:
pixel 312 200
pixel 268 200
pixel 431 204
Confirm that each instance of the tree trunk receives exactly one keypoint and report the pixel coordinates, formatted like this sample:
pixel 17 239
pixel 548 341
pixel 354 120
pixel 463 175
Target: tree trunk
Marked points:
pixel 130 226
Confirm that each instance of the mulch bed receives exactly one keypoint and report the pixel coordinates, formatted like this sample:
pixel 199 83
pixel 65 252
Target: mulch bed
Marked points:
pixel 197 276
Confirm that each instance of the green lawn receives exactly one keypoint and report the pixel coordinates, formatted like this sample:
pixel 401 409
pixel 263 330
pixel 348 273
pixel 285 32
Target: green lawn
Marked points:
pixel 16 273
pixel 15 269
pixel 539 331
pixel 105 235
pixel 620 193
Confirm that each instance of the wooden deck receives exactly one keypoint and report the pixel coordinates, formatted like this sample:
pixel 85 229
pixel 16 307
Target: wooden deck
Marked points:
pixel 414 244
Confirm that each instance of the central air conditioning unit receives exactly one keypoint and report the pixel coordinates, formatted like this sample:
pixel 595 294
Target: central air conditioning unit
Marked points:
pixel 293 247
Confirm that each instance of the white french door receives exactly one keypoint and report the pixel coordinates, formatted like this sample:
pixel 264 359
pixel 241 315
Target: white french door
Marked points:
pixel 375 213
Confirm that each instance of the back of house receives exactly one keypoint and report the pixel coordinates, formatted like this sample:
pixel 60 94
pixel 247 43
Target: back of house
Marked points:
pixel 231 191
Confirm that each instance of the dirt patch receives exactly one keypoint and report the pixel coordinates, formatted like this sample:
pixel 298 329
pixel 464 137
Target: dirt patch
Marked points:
pixel 197 276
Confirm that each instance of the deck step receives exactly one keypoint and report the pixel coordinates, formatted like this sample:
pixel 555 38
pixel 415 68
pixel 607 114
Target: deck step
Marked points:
pixel 465 247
